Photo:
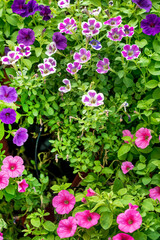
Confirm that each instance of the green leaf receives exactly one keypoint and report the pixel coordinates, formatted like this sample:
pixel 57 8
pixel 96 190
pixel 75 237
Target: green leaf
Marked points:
pixel 156 46
pixel 157 163
pixel 30 120
pixel 49 226
pixel 38 51
pixel 106 220
pixel 141 43
pixel 27 63
pixel 35 222
pixel 152 84
pixel 124 149
pixel 1 130
pixel 38 30
pixel 10 189
pixel 96 3
pixel 12 20
pixel 139 236
pixel 156 93
pixel 146 180
pixel 148 205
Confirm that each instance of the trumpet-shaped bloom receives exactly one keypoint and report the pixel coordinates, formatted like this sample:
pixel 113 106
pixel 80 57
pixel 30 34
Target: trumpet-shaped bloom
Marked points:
pixel 126 167
pixel 95 44
pixel 133 206
pixel 73 68
pixel 143 137
pixel 90 192
pixel 8 94
pixel 122 236
pixel 91 27
pixel 23 51
pixel 19 7
pixel 64 202
pixel 51 61
pixel 114 22
pixel 68 26
pixel 8 116
pixel 83 56
pixel 31 8
pixel 127 133
pixel 128 31
pixel 51 49
pixel 86 219
pixel 145 4
pixel 116 34
pixel 22 185
pixel 95 12
pixel 4 180
pixel 66 88
pixel 64 3
pixel 130 52
pixel 67 227
pixel 93 99
pixel 60 40
pixel 26 36
pixel 45 12
pixel 13 166
pixel 155 193
pixel 151 25
pixel 11 58
pixel 20 136
pixel 46 69
pixel 103 66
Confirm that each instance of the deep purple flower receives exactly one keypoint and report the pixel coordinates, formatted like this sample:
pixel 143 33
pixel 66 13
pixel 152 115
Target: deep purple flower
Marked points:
pixel 145 4
pixel 11 58
pixel 63 3
pixel 23 51
pixel 73 68
pixel 51 61
pixel 130 52
pixel 67 88
pixel 151 25
pixel 8 116
pixel 26 36
pixel 46 69
pixel 95 44
pixel 68 26
pixel 51 49
pixel 93 99
pixel 31 8
pixel 114 22
pixel 83 56
pixel 103 66
pixel 116 34
pixel 128 31
pixel 19 7
pixel 91 28
pixel 45 11
pixel 60 40
pixel 8 94
pixel 20 136
pixel 6 50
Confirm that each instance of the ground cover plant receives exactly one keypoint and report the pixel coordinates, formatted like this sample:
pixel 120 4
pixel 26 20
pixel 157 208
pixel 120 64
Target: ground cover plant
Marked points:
pixel 80 120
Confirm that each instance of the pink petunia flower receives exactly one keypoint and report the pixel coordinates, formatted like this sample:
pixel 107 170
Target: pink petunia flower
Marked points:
pixel 103 66
pixel 13 166
pixel 4 180
pixel 159 137
pixel 114 22
pixel 130 52
pixel 51 61
pixel 126 167
pixel 115 34
pixel 1 236
pixel 23 51
pixel 68 26
pixel 51 49
pixel 11 58
pixel 91 27
pixel 64 202
pixel 95 12
pixel 64 3
pixel 67 88
pixel 46 69
pixel 128 134
pixel 122 236
pixel 143 137
pixel 67 227
pixel 22 185
pixel 128 31
pixel 129 221
pixel 84 200
pixel 86 219
pixel 93 99
pixel 73 68
pixel 155 193
pixel 133 206
pixel 83 56
pixel 90 192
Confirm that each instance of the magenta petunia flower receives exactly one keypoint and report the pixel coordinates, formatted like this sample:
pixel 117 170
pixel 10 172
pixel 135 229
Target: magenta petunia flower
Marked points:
pixel 130 52
pixel 68 26
pixel 22 185
pixel 122 236
pixel 90 192
pixel 126 167
pixel 83 56
pixel 91 27
pixel 133 206
pixel 64 3
pixel 66 88
pixel 60 40
pixel 11 58
pixel 151 25
pixel 128 31
pixel 84 200
pixel 64 202
pixel 20 136
pixel 46 69
pixel 1 236
pixel 4 180
pixel 51 61
pixel 145 4
pixel 93 99
pixel 129 221
pixel 143 137
pixel 67 227
pixel 8 94
pixel 103 66
pixel 95 12
pixel 128 134
pixel 114 22
pixel 8 116
pixel 155 193
pixel 13 166
pixel 73 68
pixel 23 51
pixel 51 49
pixel 116 34
pixel 26 36
pixel 86 219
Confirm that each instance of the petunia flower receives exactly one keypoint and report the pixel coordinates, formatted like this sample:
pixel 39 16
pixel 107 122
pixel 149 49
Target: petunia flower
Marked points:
pixel 20 136
pixel 11 58
pixel 143 137
pixel 68 26
pixel 22 185
pixel 64 3
pixel 23 51
pixel 73 68
pixel 154 193
pixel 95 12
pixel 31 8
pixel 128 134
pixel 86 219
pixel 103 66
pixel 46 69
pixel 95 44
pixel 91 27
pixel 60 40
pixel 4 180
pixel 67 227
pixel 51 61
pixel 145 4
pixel 83 56
pixel 8 94
pixel 51 49
pixel 93 99
pixel 26 36
pixel 151 25
pixel 126 167
pixel 130 52
pixel 90 192
pixel 133 206
pixel 66 88
pixel 13 166
pixel 19 7
pixel 122 236
pixel 45 12
pixel 8 116
pixel 84 200
pixel 116 34
pixel 114 22
pixel 128 31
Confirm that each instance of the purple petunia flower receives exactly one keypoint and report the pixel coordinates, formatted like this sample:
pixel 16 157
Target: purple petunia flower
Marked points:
pixel 114 22
pixel 45 11
pixel 151 25
pixel 6 50
pixel 128 31
pixel 116 34
pixel 31 8
pixel 11 58
pixel 63 3
pixel 95 12
pixel 145 4
pixel 103 66
pixel 51 49
pixel 8 94
pixel 95 44
pixel 83 56
pixel 130 52
pixel 26 36
pixel 68 26
pixel 73 68
pixel 20 136
pixel 51 61
pixel 23 51
pixel 91 28
pixel 67 88
pixel 8 116
pixel 60 40
pixel 46 69
pixel 93 99
pixel 19 7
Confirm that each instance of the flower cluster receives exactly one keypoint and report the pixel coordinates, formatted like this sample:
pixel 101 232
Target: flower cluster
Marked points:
pixel 47 67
